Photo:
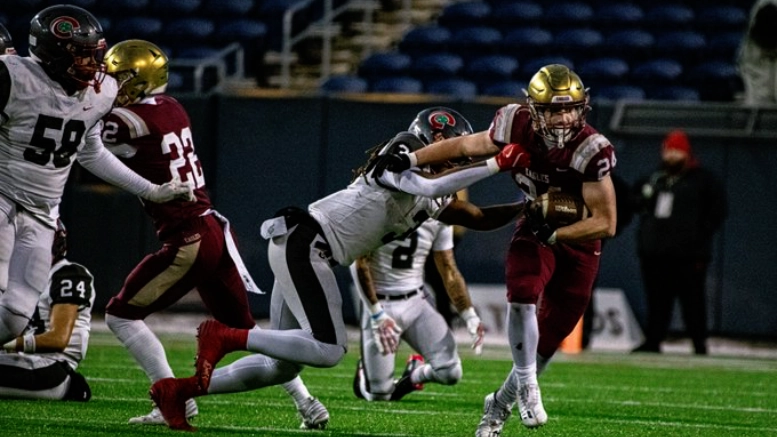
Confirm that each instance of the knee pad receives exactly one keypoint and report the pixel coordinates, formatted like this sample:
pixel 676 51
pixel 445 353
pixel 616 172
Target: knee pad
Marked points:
pixel 449 374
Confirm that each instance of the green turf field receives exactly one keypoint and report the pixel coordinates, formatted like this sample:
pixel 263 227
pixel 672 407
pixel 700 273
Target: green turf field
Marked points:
pixel 590 394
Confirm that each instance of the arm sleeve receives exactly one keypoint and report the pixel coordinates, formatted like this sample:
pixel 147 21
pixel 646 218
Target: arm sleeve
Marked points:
pixel 413 182
pixel 103 164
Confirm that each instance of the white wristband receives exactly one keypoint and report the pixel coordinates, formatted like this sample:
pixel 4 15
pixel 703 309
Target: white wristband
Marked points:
pixel 468 313
pixel 29 343
pixel 413 160
pixel 376 309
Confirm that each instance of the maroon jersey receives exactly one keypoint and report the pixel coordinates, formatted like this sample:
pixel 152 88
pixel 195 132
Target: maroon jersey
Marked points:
pixel 154 138
pixel 587 157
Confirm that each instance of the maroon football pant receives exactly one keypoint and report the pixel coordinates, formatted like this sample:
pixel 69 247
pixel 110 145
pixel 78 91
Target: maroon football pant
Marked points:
pixel 196 257
pixel 557 278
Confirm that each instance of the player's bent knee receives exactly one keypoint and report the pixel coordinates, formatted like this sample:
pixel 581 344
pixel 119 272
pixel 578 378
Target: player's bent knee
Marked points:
pixel 450 374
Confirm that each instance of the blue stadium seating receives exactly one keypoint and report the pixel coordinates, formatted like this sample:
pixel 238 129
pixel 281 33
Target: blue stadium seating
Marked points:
pixel 617 15
pixel 188 30
pixel 507 88
pixel 459 88
pixel 578 43
pixel 228 8
pixel 722 18
pixel 630 44
pixel 470 42
pixel 487 69
pixel 618 92
pixel 425 39
pixel 673 92
pixel 657 72
pixel 147 28
pixel 398 84
pixel 670 17
pixel 467 13
pixel 344 84
pixel 384 64
pixel 171 8
pixel 686 46
pixel 436 66
pixel 562 15
pixel 723 46
pixel 526 42
pixel 511 14
pixel 717 81
pixel 530 67
pixel 600 72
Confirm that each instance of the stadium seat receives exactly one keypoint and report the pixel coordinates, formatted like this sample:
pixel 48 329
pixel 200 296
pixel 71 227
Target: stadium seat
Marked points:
pixel 530 67
pixel 120 7
pixel 722 18
pixel 399 85
pixel 507 88
pixel 578 44
pixel 618 16
pixel 241 30
pixel 601 72
pixel 659 72
pixel 470 42
pixel 459 88
pixel 526 42
pixel 670 17
pixel 175 81
pixel 685 46
pixel 385 64
pixel 723 46
pixel 562 15
pixel 631 44
pixel 674 92
pixel 188 30
pixel 716 81
pixel 147 28
pixel 436 66
pixel 617 92
pixel 490 68
pixel 228 8
pixel 467 13
pixel 175 8
pixel 425 39
pixel 511 14
pixel 344 84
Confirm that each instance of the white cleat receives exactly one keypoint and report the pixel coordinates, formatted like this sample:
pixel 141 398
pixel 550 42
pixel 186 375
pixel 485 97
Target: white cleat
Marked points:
pixel 313 413
pixel 155 416
pixel 530 405
pixel 494 418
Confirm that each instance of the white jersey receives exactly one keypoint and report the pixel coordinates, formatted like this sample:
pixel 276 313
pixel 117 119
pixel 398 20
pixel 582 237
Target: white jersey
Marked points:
pixel 398 267
pixel 365 216
pixel 41 130
pixel 69 283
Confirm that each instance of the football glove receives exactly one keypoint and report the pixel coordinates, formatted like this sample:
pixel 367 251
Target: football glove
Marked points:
pixel 393 162
pixel 538 225
pixel 172 190
pixel 475 328
pixel 385 331
pixel 512 156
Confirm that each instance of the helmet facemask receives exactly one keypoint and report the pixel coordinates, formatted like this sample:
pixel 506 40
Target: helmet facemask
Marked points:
pixel 558 104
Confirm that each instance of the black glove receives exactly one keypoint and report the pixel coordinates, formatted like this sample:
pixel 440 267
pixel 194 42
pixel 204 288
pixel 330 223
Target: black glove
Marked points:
pixel 393 162
pixel 536 221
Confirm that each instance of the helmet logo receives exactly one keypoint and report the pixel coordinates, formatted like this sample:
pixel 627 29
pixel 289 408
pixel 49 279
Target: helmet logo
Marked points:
pixel 438 120
pixel 64 27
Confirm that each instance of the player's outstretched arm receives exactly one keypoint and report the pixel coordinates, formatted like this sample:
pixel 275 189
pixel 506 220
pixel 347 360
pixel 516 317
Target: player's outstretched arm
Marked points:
pixel 486 218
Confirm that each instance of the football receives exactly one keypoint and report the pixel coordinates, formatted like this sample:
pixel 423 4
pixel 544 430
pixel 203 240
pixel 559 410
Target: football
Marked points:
pixel 559 209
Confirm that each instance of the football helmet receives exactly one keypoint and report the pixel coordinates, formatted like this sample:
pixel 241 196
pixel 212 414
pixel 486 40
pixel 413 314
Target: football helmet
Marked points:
pixel 439 120
pixel 69 42
pixel 558 103
pixel 6 42
pixel 139 67
pixel 59 246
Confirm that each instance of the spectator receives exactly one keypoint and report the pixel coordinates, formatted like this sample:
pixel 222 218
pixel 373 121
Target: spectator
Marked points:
pixel 757 56
pixel 681 206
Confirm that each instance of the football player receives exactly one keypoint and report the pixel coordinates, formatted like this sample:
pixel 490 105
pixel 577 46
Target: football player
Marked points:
pixel 151 133
pixel 558 152
pixel 51 104
pixel 304 247
pixel 42 363
pixel 6 42
pixel 392 278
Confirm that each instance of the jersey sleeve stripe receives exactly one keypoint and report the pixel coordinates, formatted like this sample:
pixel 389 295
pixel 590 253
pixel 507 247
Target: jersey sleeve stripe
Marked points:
pixel 587 150
pixel 136 125
pixel 502 125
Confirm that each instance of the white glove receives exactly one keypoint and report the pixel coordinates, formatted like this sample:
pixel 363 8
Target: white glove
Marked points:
pixel 168 191
pixel 385 331
pixel 475 328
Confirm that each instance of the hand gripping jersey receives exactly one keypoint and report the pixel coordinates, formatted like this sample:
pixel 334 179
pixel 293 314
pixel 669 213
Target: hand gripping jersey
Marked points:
pixel 41 130
pixel 399 266
pixel 154 138
pixel 587 157
pixel 69 283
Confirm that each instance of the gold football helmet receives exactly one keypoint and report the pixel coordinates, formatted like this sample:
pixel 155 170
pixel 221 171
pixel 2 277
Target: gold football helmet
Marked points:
pixel 139 67
pixel 558 103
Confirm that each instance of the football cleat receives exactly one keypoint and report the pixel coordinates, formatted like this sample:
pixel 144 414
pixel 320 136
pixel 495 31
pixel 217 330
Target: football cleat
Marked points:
pixel 313 413
pixel 494 418
pixel 155 416
pixel 359 382
pixel 170 395
pixel 530 406
pixel 213 342
pixel 404 385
